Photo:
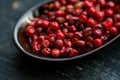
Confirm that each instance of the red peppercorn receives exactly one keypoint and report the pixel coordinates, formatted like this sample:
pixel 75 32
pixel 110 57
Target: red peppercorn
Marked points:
pixel 51 18
pixel 79 26
pixel 78 35
pixel 104 38
pixel 75 52
pixel 45 24
pixel 30 30
pixel 68 17
pixel 36 48
pixel 75 18
pixel 107 25
pixel 51 36
pixel 72 1
pixel 114 31
pixel 49 31
pixel 51 6
pixel 65 24
pixel 91 22
pixel 97 42
pixel 102 2
pixel 91 11
pixel 63 8
pixel 72 20
pixel 83 18
pixel 88 46
pixel 74 41
pixel 54 26
pixel 33 23
pixel 89 39
pixel 41 38
pixel 72 28
pixel 60 35
pixel 109 12
pixel 63 2
pixel 87 4
pixel 38 23
pixel 56 5
pixel 46 52
pixel 77 12
pixel 69 35
pixel 69 8
pixel 71 53
pixel 84 13
pixel 109 19
pixel 55 53
pixel 99 15
pixel 44 17
pixel 78 5
pixel 93 1
pixel 117 8
pixel 63 52
pixel 110 4
pixel 60 13
pixel 117 25
pixel 97 7
pixel 80 43
pixel 117 17
pixel 39 30
pixel 51 39
pixel 107 33
pixel 97 33
pixel 35 37
pixel 45 44
pixel 65 30
pixel 51 14
pixel 60 19
pixel 68 43
pixel 33 42
pixel 68 50
pixel 59 43
pixel 87 32
pixel 98 26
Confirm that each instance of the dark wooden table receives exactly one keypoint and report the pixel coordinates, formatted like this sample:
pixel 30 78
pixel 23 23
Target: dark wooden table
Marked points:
pixel 104 65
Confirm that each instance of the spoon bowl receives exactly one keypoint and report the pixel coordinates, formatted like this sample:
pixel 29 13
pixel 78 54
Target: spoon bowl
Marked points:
pixel 22 44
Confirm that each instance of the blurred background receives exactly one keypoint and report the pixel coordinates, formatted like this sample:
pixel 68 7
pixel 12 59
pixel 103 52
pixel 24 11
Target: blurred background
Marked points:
pixel 104 65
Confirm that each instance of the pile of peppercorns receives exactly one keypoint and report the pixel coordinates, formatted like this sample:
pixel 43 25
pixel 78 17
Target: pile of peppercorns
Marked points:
pixel 67 28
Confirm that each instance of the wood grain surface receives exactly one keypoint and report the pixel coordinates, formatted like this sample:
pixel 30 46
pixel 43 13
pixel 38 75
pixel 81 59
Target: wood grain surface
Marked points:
pixel 104 65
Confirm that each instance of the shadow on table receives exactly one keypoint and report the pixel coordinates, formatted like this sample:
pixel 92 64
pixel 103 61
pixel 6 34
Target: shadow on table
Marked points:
pixel 34 66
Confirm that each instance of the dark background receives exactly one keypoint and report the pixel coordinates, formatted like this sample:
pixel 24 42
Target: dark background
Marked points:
pixel 104 65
